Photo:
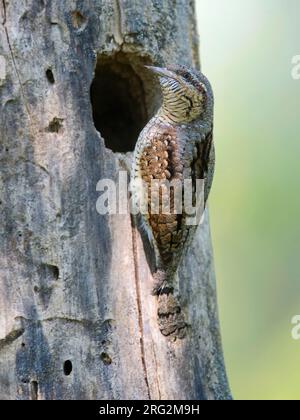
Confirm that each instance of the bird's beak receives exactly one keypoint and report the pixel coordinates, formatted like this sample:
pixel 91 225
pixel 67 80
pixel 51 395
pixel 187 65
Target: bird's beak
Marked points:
pixel 161 72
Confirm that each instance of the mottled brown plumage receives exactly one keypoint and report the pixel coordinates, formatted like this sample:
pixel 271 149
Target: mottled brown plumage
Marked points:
pixel 162 160
pixel 175 145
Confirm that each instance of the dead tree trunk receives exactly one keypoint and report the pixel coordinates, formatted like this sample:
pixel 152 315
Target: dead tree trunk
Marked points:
pixel 77 317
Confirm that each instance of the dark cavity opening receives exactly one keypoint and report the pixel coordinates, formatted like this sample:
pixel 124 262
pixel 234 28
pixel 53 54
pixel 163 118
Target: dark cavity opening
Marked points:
pixel 34 389
pixel 55 125
pixel 55 271
pixel 48 271
pixel 106 359
pixel 119 100
pixel 50 76
pixel 68 367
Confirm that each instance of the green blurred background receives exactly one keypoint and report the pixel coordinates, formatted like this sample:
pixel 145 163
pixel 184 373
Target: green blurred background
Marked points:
pixel 246 51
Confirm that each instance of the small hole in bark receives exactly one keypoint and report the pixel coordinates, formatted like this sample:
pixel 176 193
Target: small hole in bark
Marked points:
pixel 55 271
pixel 55 125
pixel 49 271
pixel 106 359
pixel 34 388
pixel 68 367
pixel 50 76
pixel 23 345
pixel 36 289
pixel 119 100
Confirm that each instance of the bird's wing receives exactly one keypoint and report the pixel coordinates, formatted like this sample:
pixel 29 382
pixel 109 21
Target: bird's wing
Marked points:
pixel 162 159
pixel 205 162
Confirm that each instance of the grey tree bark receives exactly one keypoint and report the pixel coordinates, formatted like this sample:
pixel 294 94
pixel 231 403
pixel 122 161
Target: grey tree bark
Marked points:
pixel 77 318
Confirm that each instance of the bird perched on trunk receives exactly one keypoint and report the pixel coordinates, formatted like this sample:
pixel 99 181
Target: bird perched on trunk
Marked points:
pixel 176 145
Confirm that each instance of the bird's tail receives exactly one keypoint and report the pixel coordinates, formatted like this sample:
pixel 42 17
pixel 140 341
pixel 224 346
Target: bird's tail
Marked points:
pixel 171 319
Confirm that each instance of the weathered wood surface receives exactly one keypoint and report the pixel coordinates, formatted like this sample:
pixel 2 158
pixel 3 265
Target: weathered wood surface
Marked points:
pixel 74 285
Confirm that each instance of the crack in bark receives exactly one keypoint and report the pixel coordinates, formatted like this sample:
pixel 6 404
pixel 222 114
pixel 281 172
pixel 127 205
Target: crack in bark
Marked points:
pixel 11 337
pixel 14 60
pixel 140 311
pixel 118 35
pixel 3 11
pixel 156 369
pixel 194 36
pixel 37 165
pixel 62 318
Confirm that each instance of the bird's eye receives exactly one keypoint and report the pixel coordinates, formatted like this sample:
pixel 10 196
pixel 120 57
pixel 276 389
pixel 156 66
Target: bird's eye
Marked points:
pixel 187 77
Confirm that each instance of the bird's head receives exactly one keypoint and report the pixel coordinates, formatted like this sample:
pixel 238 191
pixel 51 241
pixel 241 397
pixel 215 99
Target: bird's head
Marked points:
pixel 187 94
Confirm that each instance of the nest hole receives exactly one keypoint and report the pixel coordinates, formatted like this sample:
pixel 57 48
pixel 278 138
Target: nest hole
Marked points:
pixel 119 101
